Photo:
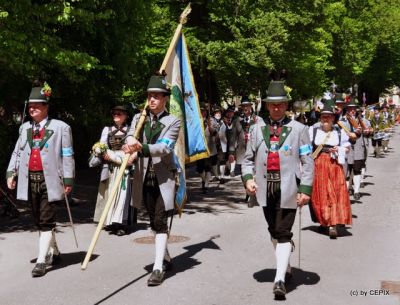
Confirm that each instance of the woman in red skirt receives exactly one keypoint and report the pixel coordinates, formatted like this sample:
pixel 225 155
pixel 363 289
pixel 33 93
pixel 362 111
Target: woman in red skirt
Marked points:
pixel 330 198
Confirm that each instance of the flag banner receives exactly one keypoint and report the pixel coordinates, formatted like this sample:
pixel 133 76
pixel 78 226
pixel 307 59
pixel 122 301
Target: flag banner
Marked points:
pixel 184 104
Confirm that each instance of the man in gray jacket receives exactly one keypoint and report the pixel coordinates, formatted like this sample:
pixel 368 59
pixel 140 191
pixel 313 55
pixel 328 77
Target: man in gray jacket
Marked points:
pixel 278 169
pixel 43 161
pixel 154 179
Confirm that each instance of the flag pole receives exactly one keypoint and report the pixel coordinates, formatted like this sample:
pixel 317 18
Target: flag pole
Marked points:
pixel 182 21
pixel 139 126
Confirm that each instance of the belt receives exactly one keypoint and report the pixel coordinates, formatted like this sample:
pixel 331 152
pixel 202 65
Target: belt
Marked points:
pixel 273 176
pixel 36 176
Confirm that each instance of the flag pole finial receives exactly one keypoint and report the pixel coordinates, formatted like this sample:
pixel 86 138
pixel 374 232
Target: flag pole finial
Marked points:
pixel 185 13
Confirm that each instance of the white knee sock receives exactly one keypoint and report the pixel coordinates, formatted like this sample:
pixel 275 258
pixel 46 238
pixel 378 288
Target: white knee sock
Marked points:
pixel 215 170
pixel 282 255
pixel 44 244
pixel 222 171
pixel 53 248
pixel 363 174
pixel 356 182
pixel 161 246
pixel 233 164
pixel 207 180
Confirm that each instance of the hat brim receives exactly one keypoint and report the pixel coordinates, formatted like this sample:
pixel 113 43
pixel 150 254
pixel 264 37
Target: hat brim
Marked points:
pixel 246 103
pixel 38 101
pixel 277 99
pixel 159 90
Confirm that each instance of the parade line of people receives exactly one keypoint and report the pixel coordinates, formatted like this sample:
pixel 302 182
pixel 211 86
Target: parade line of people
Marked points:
pixel 284 164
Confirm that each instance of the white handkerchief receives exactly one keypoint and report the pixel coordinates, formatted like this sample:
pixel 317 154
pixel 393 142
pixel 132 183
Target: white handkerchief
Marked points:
pixel 342 155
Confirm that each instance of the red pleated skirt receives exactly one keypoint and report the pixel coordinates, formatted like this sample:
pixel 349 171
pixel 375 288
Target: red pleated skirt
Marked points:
pixel 330 198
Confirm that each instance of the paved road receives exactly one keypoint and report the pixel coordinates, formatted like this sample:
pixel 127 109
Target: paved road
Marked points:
pixel 226 257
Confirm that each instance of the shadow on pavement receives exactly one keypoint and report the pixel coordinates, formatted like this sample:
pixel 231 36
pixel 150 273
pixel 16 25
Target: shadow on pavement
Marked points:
pixel 300 277
pixel 69 259
pixel 180 263
pixel 341 229
pixel 122 288
pixel 185 261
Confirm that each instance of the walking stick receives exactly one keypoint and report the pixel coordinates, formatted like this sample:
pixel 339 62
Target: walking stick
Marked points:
pixel 299 234
pixel 69 212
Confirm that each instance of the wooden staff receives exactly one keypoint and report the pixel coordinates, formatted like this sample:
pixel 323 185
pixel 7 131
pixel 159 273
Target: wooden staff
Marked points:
pixel 351 135
pixel 139 126
pixel 320 146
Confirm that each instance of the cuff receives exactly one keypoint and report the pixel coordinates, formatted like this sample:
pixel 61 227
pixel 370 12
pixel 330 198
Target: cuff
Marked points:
pixel 68 181
pixel 145 150
pixel 9 174
pixel 305 189
pixel 247 177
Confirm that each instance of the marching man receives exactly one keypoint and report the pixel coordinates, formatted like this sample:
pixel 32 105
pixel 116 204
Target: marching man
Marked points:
pixel 270 170
pixel 154 177
pixel 43 162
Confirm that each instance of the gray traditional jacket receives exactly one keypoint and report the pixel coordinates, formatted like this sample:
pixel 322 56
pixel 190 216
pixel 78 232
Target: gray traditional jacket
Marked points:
pixel 158 143
pixel 237 142
pixel 57 157
pixel 296 163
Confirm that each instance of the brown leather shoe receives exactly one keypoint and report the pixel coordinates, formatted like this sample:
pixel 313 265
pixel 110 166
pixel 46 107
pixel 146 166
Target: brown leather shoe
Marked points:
pixel 39 270
pixel 156 278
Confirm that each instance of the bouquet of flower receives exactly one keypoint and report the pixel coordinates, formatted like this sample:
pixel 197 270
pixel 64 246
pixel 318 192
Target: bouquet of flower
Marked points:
pixel 46 90
pixel 98 149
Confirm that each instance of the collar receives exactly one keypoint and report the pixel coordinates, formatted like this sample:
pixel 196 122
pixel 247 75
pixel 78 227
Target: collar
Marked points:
pixel 42 122
pixel 278 123
pixel 159 115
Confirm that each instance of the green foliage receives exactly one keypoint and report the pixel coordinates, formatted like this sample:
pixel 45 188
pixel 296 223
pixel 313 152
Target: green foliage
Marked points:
pixel 97 53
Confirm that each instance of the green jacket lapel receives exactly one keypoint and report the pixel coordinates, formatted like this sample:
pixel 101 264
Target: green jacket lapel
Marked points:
pixel 155 132
pixel 47 135
pixel 29 137
pixel 266 135
pixel 285 132
pixel 147 130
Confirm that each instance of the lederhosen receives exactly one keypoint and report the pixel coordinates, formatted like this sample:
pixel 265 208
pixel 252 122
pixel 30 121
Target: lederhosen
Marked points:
pixel 152 198
pixel 43 211
pixel 280 221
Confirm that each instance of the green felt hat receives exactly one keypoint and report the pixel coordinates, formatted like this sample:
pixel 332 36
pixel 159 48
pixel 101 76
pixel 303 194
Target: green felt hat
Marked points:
pixel 245 101
pixel 158 83
pixel 277 93
pixel 339 99
pixel 329 107
pixel 40 94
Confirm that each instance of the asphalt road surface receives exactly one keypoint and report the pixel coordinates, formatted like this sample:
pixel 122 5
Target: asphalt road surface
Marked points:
pixel 221 252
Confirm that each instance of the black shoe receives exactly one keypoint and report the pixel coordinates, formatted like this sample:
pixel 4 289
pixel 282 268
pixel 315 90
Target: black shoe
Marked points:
pixel 279 289
pixel 156 278
pixel 362 184
pixel 121 232
pixel 222 180
pixel 351 191
pixel 357 196
pixel 39 270
pixel 332 232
